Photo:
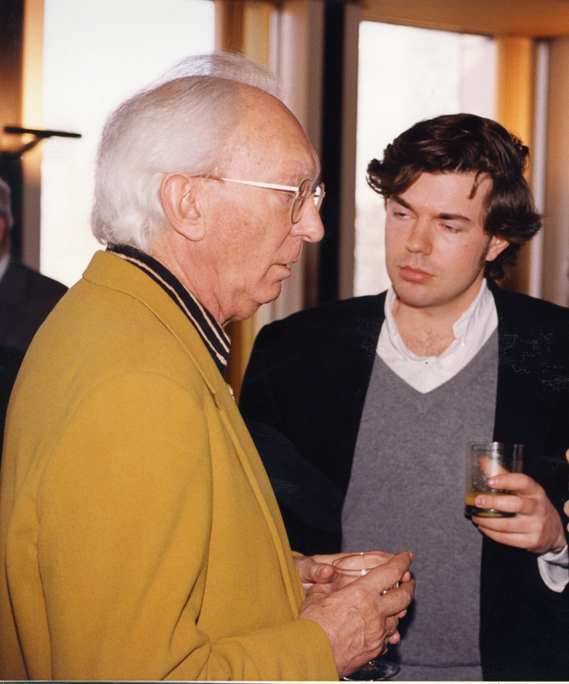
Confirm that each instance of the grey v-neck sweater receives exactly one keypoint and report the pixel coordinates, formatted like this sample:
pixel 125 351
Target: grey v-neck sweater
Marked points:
pixel 406 492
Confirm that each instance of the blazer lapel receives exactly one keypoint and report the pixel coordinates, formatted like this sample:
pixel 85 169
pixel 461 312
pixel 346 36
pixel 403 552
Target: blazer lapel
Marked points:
pixel 109 270
pixel 348 356
pixel 522 406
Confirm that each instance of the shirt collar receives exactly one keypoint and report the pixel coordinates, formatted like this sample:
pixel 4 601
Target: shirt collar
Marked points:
pixel 211 333
pixel 469 329
pixel 425 373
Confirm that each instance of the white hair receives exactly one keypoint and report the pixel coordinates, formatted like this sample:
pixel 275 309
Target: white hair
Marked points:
pixel 179 124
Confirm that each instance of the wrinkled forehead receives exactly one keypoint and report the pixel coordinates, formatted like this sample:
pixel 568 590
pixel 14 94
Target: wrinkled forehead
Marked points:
pixel 268 136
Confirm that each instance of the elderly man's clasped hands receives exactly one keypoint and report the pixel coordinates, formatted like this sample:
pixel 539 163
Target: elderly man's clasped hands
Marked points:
pixel 358 617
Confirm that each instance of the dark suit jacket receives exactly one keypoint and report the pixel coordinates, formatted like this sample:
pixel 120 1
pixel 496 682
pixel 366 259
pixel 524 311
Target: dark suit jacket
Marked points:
pixel 10 360
pixel 26 299
pixel 307 381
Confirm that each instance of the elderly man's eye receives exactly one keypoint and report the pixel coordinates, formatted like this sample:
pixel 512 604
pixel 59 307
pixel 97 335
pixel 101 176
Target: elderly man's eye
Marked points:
pixel 285 198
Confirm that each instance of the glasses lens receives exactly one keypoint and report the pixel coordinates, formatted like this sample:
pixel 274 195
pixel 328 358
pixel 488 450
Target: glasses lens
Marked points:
pixel 318 195
pixel 304 192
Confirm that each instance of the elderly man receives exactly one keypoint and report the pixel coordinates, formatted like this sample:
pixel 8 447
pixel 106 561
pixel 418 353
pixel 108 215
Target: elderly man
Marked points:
pixel 139 534
pixel 396 384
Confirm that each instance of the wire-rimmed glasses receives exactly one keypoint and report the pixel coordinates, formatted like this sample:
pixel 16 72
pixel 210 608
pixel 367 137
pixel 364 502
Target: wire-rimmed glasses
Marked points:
pixel 301 193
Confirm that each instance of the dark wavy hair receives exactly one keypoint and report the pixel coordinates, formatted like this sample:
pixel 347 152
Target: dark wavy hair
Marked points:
pixel 466 143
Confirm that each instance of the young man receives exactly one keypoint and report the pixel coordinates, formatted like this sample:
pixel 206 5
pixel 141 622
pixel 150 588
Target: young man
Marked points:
pixel 374 399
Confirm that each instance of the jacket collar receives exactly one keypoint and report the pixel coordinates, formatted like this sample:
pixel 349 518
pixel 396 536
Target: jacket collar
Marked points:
pixel 212 334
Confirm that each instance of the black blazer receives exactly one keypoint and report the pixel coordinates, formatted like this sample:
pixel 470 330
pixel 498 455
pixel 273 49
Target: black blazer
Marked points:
pixel 303 396
pixel 26 299
pixel 10 361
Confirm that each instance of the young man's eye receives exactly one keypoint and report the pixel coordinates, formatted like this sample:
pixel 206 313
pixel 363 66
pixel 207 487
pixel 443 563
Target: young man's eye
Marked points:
pixel 398 213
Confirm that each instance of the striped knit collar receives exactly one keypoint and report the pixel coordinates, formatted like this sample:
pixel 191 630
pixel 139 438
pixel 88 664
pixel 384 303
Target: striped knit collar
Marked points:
pixel 212 334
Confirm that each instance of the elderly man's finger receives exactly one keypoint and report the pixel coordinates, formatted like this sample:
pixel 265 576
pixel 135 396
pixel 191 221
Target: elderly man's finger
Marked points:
pixel 399 598
pixel 312 571
pixel 395 600
pixel 387 575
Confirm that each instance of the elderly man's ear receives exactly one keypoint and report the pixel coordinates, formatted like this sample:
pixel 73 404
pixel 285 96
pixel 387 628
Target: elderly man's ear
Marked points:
pixel 178 195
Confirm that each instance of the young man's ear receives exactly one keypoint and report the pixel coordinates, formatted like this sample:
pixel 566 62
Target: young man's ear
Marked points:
pixel 496 247
pixel 178 198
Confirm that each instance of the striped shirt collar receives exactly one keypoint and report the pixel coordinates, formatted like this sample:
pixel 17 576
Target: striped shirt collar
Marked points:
pixel 212 334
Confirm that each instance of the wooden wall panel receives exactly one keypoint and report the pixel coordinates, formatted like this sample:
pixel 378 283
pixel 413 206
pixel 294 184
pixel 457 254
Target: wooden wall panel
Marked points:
pixel 515 112
pixel 534 18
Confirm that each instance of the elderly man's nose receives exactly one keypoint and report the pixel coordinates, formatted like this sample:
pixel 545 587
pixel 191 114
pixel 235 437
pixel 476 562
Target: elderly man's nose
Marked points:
pixel 310 226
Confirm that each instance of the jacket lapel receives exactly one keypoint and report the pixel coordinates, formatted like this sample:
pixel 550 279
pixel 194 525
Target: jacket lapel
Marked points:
pixel 522 406
pixel 111 271
pixel 348 356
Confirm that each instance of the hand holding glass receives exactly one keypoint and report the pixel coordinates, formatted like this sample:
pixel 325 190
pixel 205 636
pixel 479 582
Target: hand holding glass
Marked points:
pixel 483 461
pixel 356 565
pixel 349 568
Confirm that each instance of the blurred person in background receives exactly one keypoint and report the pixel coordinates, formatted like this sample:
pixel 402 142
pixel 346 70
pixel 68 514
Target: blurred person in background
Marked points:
pixel 26 296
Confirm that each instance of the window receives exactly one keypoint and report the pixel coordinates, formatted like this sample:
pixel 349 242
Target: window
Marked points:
pixel 405 75
pixel 97 53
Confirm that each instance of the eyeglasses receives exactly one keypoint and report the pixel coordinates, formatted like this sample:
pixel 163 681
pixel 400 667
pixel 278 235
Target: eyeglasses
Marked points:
pixel 301 193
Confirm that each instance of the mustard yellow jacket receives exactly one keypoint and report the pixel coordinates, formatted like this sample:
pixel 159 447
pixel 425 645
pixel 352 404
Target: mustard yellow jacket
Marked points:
pixel 139 535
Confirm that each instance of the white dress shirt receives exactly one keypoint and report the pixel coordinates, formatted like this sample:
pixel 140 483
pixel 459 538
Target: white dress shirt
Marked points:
pixel 425 373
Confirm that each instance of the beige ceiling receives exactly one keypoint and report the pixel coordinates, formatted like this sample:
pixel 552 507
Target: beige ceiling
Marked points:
pixel 536 18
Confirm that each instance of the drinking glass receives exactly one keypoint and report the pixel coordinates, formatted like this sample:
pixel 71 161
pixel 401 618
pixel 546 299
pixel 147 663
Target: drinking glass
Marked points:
pixel 349 568
pixel 483 461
